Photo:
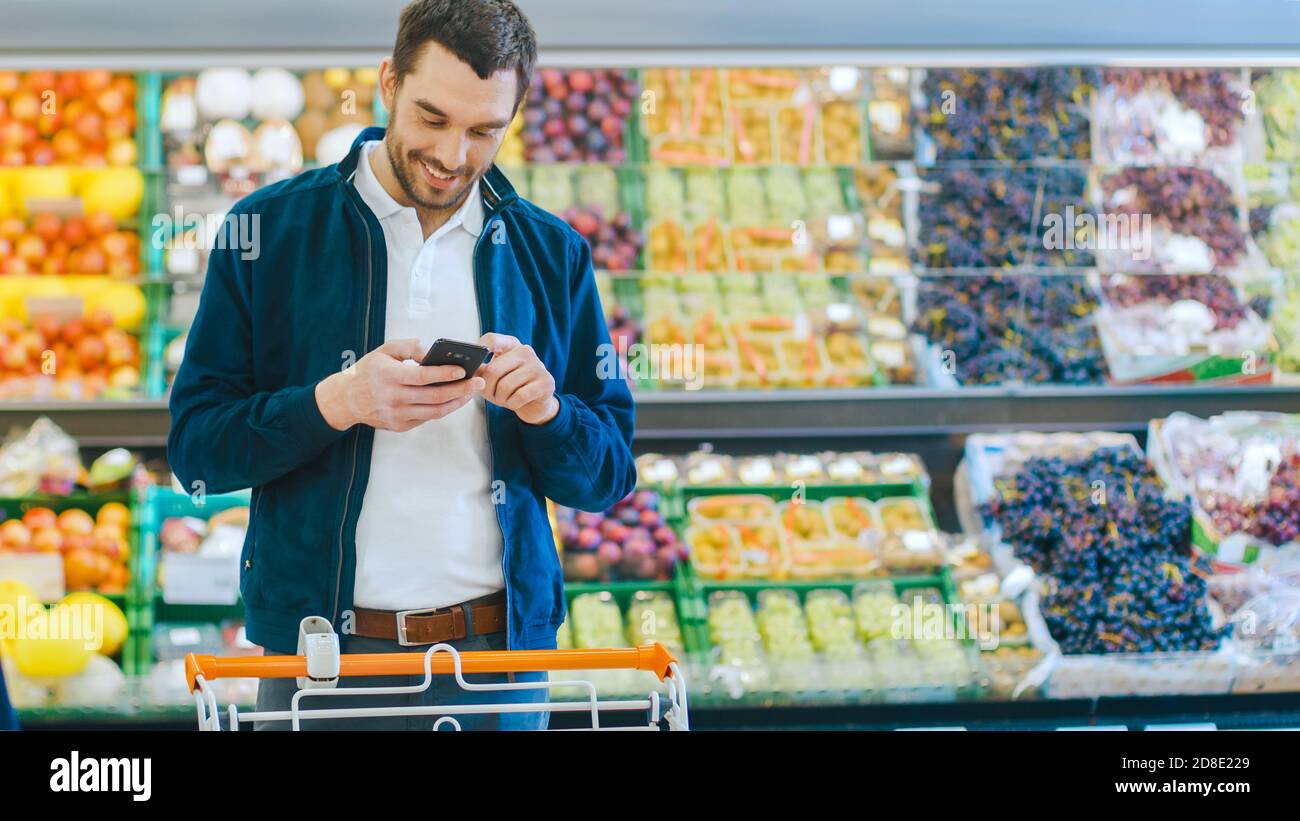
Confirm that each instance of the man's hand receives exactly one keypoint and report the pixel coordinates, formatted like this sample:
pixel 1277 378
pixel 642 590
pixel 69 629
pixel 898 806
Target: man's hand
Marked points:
pixel 388 393
pixel 517 380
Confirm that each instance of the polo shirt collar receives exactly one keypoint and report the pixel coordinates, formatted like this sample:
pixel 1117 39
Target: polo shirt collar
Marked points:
pixel 469 215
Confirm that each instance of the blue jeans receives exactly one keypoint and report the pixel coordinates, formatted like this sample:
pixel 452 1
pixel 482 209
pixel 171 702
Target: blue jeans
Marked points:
pixel 276 694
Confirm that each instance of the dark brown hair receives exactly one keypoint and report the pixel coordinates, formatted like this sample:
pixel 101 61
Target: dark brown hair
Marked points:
pixel 487 35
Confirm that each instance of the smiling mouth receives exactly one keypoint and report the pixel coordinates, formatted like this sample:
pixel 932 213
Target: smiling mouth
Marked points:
pixel 437 178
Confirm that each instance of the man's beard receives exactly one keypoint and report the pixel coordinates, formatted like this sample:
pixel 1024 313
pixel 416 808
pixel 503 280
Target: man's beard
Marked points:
pixel 407 179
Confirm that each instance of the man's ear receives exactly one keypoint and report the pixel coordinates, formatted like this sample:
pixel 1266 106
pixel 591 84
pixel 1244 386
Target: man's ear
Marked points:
pixel 388 84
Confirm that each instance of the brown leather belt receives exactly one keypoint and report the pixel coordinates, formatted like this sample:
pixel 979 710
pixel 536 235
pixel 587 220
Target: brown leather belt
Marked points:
pixel 414 627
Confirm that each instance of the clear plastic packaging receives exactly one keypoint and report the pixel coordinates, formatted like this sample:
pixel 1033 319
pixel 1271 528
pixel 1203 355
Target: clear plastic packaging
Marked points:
pixel 737 508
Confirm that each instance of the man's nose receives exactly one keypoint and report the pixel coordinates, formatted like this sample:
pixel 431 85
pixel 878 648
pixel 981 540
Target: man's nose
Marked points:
pixel 452 152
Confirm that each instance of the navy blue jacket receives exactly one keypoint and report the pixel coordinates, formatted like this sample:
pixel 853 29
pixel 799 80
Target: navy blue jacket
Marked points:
pixel 8 718
pixel 244 413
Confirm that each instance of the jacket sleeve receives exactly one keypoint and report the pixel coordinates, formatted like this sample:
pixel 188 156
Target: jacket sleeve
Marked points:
pixel 224 433
pixel 583 457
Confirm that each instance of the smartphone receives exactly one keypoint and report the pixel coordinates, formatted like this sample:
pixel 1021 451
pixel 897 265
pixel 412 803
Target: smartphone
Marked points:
pixel 450 352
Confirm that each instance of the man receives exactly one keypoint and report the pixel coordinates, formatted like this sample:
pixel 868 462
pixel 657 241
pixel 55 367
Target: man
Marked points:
pixel 382 486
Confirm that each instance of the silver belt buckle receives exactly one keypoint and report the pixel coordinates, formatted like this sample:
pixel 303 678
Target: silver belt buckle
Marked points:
pixel 401 624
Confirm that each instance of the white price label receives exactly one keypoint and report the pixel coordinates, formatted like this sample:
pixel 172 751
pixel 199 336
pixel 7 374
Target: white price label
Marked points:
pixel 42 572
pixel 184 636
pixel 192 175
pixel 191 579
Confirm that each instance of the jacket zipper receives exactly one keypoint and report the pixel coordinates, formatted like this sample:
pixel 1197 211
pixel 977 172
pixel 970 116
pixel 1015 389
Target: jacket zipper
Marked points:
pixel 257 501
pixel 492 456
pixel 365 338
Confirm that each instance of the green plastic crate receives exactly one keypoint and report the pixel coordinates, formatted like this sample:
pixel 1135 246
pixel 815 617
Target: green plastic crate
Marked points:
pixel 160 504
pixel 128 600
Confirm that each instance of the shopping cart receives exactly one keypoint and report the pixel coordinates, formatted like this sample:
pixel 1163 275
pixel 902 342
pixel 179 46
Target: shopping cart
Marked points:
pixel 443 659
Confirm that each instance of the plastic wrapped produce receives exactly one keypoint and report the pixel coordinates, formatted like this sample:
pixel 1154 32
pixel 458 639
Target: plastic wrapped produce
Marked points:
pixel 1169 114
pixel 1193 214
pixel 1278 93
pixel 652 617
pixel 1118 577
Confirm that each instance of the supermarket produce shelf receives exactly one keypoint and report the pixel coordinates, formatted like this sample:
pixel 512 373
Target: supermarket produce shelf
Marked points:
pixel 867 412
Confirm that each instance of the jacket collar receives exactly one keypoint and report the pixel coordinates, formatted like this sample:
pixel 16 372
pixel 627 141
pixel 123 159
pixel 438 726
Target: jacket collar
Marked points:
pixel 494 187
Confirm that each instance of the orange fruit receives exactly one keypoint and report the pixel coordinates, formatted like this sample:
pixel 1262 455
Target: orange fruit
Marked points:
pixel 84 569
pixel 47 540
pixel 14 535
pixel 40 517
pixel 76 521
pixel 114 513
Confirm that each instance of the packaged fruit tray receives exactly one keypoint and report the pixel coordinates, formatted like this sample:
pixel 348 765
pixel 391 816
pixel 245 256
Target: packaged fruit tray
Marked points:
pixel 1239 469
pixel 853 473
pixel 749 535
pixel 834 642
pixel 1124 674
pixel 754 116
pixel 620 616
pixel 778 219
pixel 1116 579
pixel 1164 116
pixel 1182 328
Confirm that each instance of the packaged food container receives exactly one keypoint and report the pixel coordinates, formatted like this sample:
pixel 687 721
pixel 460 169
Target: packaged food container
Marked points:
pixel 901 514
pixel 790 653
pixel 874 610
pixel 761 551
pixel 652 617
pixel 759 471
pixel 715 550
pixel 738 507
pixel 852 517
pixel 843 468
pixel 806 468
pixel 597 621
pixel 835 558
pixel 912 551
pixel 803 522
pixel 705 468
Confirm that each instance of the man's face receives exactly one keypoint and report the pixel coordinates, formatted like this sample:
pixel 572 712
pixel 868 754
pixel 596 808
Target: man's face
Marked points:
pixel 445 126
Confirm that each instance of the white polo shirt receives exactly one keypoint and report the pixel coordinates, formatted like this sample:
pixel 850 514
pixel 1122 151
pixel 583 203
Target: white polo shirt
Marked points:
pixel 428 534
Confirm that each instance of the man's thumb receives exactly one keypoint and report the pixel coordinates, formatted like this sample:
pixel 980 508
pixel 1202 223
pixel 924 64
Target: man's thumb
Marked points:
pixel 402 349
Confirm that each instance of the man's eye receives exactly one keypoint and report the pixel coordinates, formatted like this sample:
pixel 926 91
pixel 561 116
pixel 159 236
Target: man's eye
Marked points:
pixel 433 123
pixel 482 132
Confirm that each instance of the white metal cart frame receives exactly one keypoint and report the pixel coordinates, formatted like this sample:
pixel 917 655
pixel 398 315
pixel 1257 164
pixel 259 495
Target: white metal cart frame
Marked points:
pixel 443 659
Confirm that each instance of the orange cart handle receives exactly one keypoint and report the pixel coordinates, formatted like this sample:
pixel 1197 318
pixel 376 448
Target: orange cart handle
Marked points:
pixel 654 658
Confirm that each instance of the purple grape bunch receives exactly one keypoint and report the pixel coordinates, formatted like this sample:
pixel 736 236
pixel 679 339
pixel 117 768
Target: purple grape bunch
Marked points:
pixel 995 217
pixel 1212 290
pixel 1120 573
pixel 1013 328
pixel 1193 201
pixel 1009 114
